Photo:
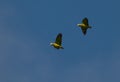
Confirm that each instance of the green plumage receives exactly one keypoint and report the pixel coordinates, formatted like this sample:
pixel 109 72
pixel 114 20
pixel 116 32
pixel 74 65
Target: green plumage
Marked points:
pixel 84 25
pixel 58 42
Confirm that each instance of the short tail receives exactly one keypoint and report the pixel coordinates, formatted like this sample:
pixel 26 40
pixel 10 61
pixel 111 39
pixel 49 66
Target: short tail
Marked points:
pixel 90 27
pixel 62 48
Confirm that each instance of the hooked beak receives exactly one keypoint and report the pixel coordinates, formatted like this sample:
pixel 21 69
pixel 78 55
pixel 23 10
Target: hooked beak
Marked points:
pixel 51 44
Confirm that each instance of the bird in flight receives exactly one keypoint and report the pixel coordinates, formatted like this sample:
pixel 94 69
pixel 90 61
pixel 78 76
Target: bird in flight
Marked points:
pixel 84 25
pixel 58 42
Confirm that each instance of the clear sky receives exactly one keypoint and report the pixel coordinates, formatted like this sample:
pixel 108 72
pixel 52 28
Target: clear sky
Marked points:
pixel 28 26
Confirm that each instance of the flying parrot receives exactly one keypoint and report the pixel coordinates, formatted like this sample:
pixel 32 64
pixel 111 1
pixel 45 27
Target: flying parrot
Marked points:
pixel 84 25
pixel 58 42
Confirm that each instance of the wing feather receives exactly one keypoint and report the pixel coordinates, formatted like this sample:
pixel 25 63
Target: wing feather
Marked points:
pixel 84 31
pixel 85 21
pixel 59 39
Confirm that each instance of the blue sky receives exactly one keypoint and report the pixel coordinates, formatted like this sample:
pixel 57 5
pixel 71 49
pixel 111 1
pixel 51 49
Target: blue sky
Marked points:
pixel 28 26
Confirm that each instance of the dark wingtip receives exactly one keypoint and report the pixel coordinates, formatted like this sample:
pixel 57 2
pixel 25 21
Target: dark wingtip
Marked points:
pixel 62 48
pixel 60 34
pixel 90 27
pixel 85 18
pixel 84 34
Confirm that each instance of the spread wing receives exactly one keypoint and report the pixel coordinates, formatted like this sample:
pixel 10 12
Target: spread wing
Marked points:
pixel 85 21
pixel 84 31
pixel 59 39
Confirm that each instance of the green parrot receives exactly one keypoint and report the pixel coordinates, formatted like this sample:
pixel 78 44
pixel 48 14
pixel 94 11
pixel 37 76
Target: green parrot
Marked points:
pixel 58 42
pixel 84 25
